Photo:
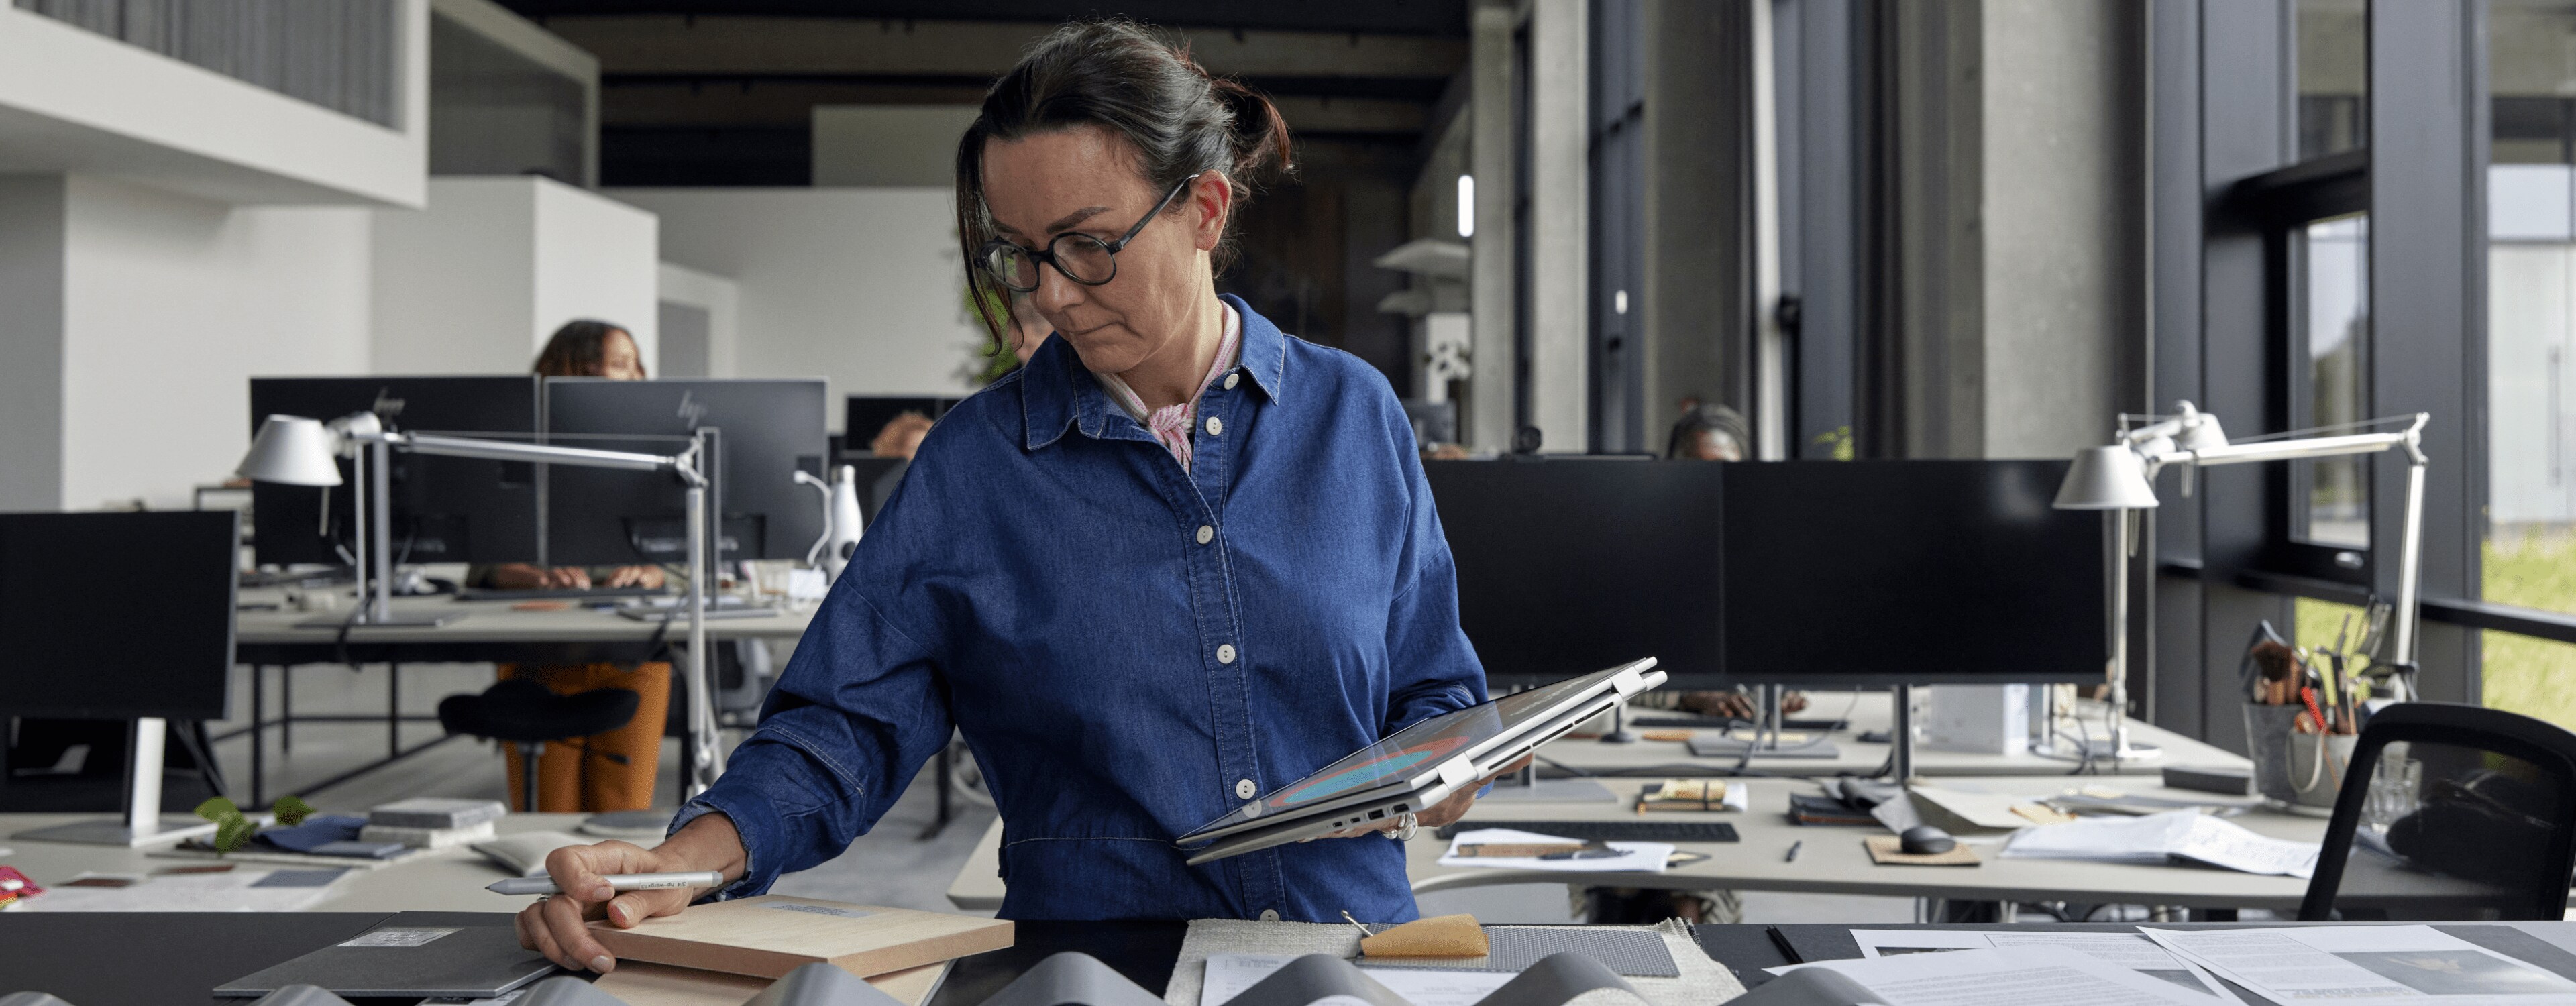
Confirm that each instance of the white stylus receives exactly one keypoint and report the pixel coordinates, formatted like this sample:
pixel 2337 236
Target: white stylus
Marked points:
pixel 616 881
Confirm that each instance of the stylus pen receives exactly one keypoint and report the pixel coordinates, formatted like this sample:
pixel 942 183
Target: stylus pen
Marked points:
pixel 1793 851
pixel 616 881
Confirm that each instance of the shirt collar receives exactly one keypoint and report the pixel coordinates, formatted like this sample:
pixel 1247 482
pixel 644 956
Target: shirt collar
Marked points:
pixel 1057 394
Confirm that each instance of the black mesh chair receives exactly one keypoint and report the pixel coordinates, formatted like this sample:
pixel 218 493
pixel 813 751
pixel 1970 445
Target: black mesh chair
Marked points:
pixel 527 714
pixel 2450 813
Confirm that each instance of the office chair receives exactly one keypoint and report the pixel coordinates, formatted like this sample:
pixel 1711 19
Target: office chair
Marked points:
pixel 522 712
pixel 2450 813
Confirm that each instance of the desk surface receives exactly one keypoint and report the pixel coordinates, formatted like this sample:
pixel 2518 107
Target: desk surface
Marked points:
pixel 1875 711
pixel 449 880
pixel 1831 860
pixel 494 621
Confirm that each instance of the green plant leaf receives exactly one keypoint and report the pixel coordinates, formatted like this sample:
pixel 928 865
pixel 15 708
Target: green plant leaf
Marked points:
pixel 291 811
pixel 233 833
pixel 217 809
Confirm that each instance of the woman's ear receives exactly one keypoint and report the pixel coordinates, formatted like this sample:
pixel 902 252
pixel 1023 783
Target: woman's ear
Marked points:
pixel 1212 201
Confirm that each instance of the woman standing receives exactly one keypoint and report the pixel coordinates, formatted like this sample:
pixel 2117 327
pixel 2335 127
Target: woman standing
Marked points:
pixel 1180 559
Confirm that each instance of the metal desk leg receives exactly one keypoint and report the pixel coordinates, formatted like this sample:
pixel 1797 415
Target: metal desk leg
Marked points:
pixel 285 709
pixel 393 710
pixel 258 783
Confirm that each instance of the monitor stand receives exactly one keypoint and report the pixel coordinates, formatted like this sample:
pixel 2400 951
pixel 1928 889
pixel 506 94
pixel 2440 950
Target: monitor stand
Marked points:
pixel 2115 747
pixel 143 824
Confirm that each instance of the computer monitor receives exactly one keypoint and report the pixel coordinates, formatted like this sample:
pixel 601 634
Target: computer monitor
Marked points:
pixel 1572 564
pixel 1910 573
pixel 1812 573
pixel 444 509
pixel 863 416
pixel 767 430
pixel 117 615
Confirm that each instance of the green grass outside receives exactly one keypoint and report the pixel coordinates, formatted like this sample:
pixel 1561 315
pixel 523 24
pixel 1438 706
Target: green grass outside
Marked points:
pixel 2535 677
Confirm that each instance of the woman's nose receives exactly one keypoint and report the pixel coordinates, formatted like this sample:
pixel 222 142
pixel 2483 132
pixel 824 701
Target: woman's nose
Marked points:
pixel 1055 291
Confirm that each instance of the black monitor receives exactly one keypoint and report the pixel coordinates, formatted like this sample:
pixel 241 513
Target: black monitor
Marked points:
pixel 1910 573
pixel 1572 564
pixel 767 430
pixel 1815 573
pixel 444 509
pixel 117 615
pixel 864 416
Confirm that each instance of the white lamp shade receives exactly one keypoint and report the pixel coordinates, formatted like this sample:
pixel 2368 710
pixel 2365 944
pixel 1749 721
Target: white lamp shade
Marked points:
pixel 2106 478
pixel 2203 435
pixel 291 450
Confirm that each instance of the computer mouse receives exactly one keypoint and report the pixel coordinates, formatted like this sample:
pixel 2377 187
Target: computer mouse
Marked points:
pixel 1925 840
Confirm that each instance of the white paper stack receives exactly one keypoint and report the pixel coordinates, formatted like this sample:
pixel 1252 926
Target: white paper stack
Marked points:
pixel 432 822
pixel 2183 835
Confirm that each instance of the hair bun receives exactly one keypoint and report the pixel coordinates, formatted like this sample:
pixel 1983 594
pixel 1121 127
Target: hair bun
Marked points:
pixel 1261 143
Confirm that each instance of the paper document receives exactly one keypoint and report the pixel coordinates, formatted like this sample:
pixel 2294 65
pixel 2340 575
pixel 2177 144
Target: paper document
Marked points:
pixel 2184 835
pixel 1634 857
pixel 2367 964
pixel 235 891
pixel 1229 974
pixel 2120 950
pixel 2022 976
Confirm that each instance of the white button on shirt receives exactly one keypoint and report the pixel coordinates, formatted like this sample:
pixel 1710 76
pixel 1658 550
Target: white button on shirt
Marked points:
pixel 1245 790
pixel 1269 915
pixel 1225 653
pixel 1206 534
pixel 1216 427
pixel 1230 379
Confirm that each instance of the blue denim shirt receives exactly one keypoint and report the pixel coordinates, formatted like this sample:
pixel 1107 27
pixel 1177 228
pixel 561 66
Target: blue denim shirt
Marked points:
pixel 1124 644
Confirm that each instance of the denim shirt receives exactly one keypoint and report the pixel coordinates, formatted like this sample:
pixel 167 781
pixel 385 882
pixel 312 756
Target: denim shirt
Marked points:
pixel 1130 649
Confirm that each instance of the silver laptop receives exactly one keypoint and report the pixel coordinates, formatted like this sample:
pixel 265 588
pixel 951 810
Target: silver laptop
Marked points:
pixel 1420 766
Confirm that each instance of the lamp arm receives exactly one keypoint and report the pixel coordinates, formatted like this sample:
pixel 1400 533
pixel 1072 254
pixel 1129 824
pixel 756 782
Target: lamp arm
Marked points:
pixel 502 450
pixel 2286 450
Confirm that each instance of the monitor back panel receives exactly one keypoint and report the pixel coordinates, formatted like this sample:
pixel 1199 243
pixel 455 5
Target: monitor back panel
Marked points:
pixel 767 431
pixel 1909 572
pixel 444 509
pixel 117 615
pixel 1567 565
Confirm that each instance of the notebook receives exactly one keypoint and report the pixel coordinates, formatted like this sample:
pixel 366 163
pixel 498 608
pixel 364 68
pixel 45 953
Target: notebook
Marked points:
pixel 465 962
pixel 771 935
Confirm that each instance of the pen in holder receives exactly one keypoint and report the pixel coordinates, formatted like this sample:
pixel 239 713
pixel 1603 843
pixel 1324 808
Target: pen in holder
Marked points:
pixel 2300 725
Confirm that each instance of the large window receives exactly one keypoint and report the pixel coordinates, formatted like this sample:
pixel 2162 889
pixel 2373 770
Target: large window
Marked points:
pixel 2329 498
pixel 2530 548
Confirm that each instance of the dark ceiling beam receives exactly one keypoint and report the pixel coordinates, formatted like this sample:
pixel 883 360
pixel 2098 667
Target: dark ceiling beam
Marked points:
pixel 791 104
pixel 968 89
pixel 1399 17
pixel 799 46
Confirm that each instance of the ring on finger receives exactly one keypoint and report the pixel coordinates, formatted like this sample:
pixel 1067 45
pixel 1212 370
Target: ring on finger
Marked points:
pixel 1406 826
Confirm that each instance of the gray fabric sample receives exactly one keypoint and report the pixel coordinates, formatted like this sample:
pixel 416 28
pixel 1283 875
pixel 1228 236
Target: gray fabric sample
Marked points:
pixel 1636 953
pixel 566 990
pixel 821 984
pixel 1555 981
pixel 1703 982
pixel 1072 979
pixel 1314 977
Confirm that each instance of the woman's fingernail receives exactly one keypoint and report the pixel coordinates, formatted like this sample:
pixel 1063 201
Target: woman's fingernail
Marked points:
pixel 602 892
pixel 603 964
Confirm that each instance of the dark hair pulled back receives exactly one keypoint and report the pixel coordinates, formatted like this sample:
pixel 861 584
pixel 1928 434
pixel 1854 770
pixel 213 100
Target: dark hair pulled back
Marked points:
pixel 1116 75
pixel 579 349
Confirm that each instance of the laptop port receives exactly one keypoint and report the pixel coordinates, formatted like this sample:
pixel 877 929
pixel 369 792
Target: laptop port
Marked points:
pixel 1375 814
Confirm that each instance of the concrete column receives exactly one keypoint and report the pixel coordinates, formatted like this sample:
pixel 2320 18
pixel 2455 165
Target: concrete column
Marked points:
pixel 1699 266
pixel 1560 223
pixel 31 342
pixel 1487 414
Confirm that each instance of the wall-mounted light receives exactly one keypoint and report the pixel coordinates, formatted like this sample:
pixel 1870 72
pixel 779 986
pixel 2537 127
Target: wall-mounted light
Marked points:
pixel 1466 206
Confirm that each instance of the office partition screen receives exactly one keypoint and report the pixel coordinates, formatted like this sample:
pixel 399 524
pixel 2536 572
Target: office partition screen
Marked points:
pixel 1567 565
pixel 1910 572
pixel 444 509
pixel 766 431
pixel 117 615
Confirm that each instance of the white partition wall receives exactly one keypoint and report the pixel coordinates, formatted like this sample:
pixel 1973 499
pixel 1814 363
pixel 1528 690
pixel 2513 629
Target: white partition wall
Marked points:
pixel 475 282
pixel 862 287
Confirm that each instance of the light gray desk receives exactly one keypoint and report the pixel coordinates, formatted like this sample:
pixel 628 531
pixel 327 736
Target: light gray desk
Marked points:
pixel 1831 861
pixel 1875 711
pixel 449 880
pixel 486 631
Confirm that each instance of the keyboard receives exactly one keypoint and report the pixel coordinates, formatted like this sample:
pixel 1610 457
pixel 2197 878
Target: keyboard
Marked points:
pixel 1608 831
pixel 557 593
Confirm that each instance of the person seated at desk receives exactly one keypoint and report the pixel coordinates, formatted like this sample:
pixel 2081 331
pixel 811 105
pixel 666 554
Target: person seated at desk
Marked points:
pixel 614 770
pixel 1179 560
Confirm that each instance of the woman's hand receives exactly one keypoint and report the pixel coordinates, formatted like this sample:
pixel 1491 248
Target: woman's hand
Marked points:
pixel 521 576
pixel 558 926
pixel 648 577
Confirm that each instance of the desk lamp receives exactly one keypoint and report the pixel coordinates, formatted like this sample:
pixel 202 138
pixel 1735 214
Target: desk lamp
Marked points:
pixel 2119 480
pixel 298 451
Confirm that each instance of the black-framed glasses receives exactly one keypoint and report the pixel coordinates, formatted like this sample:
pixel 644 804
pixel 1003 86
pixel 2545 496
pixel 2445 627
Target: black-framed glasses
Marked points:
pixel 1080 257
